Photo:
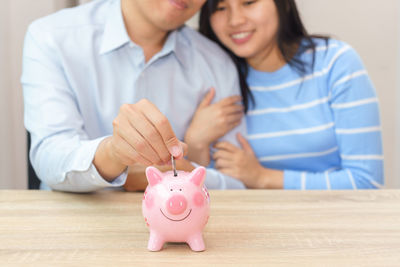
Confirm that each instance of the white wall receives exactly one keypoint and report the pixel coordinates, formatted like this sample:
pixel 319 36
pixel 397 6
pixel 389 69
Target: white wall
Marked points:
pixel 15 16
pixel 372 28
pixel 397 109
pixel 5 81
pixel 396 179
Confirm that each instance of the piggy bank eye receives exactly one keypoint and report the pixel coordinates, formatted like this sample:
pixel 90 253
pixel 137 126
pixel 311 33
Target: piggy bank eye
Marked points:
pixel 171 189
pixel 180 189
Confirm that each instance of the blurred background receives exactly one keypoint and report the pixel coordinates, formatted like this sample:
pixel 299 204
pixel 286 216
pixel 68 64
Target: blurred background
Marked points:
pixel 370 26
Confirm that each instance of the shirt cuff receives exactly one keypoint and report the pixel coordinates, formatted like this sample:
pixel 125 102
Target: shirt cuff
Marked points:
pixel 82 175
pixel 88 181
pixel 98 180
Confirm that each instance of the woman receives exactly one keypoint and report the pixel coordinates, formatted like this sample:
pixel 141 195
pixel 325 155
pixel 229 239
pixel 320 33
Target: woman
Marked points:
pixel 312 111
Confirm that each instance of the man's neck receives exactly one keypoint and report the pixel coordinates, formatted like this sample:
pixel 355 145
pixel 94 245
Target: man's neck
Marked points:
pixel 142 32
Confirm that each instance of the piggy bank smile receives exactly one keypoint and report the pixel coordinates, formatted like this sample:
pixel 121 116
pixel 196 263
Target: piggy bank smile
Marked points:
pixel 176 220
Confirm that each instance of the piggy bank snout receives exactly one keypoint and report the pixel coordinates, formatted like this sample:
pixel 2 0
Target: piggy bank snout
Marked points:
pixel 176 204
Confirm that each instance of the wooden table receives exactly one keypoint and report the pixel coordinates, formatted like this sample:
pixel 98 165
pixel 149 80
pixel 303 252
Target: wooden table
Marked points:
pixel 247 228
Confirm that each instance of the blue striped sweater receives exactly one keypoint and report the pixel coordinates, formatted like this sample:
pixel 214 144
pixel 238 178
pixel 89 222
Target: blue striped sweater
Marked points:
pixel 321 128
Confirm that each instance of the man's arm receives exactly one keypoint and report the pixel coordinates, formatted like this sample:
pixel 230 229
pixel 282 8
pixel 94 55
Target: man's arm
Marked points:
pixel 62 154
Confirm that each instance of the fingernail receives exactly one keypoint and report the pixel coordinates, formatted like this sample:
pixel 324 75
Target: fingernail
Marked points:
pixel 176 151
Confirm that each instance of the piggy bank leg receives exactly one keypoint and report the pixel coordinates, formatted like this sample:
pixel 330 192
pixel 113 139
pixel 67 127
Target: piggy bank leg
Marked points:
pixel 156 242
pixel 196 242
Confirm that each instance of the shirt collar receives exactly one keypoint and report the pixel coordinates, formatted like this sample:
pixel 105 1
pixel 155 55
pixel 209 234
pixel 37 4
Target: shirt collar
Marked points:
pixel 176 44
pixel 115 34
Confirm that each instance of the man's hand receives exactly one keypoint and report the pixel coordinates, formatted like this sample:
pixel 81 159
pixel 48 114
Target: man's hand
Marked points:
pixel 141 134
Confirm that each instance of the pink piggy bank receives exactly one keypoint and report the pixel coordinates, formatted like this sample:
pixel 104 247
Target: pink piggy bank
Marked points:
pixel 176 209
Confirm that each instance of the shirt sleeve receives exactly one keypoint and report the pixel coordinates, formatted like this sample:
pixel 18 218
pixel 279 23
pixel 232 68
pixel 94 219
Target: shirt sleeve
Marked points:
pixel 228 86
pixel 61 151
pixel 355 110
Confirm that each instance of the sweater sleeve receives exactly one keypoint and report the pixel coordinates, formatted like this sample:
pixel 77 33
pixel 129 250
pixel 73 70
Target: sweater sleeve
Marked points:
pixel 355 109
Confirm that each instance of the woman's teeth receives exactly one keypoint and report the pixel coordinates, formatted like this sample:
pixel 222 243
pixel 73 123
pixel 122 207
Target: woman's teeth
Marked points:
pixel 240 35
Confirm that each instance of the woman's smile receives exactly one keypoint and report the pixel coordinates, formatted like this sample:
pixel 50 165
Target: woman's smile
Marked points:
pixel 241 37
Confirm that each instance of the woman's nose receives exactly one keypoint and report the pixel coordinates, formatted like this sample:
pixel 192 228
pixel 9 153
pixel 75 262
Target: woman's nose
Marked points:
pixel 236 17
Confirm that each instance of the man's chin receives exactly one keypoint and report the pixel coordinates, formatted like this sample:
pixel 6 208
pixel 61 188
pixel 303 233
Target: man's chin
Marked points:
pixel 171 24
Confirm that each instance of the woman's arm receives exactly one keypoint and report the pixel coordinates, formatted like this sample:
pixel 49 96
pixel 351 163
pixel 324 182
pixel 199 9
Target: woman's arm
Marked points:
pixel 355 110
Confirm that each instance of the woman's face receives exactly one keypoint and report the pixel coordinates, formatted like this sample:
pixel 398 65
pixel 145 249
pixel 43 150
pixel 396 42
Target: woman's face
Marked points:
pixel 246 27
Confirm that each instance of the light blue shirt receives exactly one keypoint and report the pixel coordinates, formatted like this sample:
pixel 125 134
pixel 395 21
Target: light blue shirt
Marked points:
pixel 80 66
pixel 321 128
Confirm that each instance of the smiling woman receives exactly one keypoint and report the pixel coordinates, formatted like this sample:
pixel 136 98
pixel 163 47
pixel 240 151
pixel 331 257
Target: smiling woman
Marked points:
pixel 314 119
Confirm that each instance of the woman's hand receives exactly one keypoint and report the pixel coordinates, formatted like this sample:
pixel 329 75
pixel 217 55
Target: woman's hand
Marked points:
pixel 243 165
pixel 210 122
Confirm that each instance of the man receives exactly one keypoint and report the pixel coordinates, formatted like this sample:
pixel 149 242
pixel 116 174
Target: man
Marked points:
pixel 84 67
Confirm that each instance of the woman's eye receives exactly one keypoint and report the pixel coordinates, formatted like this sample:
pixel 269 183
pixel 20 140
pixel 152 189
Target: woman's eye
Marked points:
pixel 220 8
pixel 247 3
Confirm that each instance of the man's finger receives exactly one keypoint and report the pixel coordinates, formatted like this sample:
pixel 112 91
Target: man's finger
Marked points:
pixel 149 133
pixel 161 123
pixel 140 145
pixel 128 155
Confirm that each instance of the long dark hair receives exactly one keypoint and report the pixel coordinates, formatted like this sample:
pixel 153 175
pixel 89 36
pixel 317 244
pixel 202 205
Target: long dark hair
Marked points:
pixel 291 34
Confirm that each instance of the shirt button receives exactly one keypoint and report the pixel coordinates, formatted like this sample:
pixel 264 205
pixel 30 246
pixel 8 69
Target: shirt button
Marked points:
pixel 131 45
pixel 92 176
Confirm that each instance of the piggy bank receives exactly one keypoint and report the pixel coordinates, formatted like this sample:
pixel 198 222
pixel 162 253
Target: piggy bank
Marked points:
pixel 176 208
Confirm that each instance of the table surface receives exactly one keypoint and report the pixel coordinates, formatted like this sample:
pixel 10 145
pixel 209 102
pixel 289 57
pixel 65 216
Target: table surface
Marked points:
pixel 301 228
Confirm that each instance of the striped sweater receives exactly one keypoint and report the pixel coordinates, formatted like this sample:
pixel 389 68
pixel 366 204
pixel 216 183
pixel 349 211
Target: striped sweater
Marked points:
pixel 321 128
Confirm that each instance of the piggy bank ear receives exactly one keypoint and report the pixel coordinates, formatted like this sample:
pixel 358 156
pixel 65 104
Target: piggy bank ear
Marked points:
pixel 198 175
pixel 154 176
